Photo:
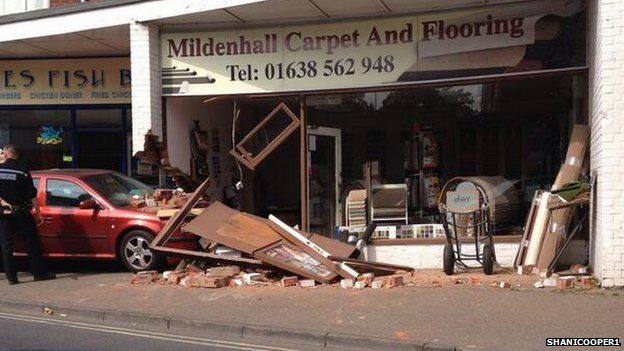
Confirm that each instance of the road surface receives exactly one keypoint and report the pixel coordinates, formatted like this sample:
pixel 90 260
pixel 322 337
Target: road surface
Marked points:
pixel 21 332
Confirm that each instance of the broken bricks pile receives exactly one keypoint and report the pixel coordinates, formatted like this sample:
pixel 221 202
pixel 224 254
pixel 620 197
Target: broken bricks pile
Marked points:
pixel 192 276
pixel 231 237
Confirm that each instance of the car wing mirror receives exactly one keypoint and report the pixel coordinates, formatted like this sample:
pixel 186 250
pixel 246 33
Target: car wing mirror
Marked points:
pixel 89 204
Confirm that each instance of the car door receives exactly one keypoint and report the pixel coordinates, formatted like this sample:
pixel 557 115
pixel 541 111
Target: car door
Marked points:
pixel 68 229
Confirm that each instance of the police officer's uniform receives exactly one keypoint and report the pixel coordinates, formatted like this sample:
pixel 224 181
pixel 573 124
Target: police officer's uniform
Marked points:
pixel 17 189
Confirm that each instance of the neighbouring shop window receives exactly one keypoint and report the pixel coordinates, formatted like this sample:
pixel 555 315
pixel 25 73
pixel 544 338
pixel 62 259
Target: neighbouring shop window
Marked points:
pixel 43 137
pixel 100 139
pixel 422 137
pixel 98 119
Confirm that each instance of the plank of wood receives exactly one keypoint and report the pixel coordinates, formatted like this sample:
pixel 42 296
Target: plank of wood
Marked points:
pixel 526 234
pixel 205 255
pixel 170 212
pixel 229 227
pixel 176 221
pixel 538 231
pixel 372 264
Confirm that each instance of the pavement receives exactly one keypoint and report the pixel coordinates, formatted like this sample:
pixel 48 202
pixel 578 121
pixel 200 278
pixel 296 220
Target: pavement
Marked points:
pixel 450 315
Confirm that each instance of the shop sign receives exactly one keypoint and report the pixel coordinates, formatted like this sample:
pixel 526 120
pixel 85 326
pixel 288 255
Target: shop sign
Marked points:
pixel 70 81
pixel 50 135
pixel 465 198
pixel 380 52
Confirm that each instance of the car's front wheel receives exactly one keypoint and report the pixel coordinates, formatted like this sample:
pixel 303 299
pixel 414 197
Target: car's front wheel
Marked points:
pixel 135 253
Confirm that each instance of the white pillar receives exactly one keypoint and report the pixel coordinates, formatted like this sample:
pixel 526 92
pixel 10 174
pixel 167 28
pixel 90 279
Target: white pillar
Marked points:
pixel 146 83
pixel 606 108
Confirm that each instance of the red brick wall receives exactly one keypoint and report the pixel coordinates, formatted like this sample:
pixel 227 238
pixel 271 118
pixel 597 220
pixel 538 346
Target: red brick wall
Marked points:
pixel 56 3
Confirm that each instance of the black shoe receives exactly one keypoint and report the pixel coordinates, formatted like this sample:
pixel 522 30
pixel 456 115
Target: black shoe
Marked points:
pixel 13 281
pixel 45 276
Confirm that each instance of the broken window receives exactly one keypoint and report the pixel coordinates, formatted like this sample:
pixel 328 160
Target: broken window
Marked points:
pixel 266 136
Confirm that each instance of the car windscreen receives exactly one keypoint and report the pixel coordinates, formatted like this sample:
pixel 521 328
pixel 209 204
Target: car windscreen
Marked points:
pixel 118 188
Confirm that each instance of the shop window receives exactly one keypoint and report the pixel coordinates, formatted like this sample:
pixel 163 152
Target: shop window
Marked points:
pixel 43 137
pixel 98 119
pixel 421 138
pixel 63 193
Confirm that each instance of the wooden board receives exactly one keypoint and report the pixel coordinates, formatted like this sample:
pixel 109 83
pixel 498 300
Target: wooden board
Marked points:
pixel 526 234
pixel 577 147
pixel 538 231
pixel 229 227
pixel 176 221
pixel 390 266
pixel 170 212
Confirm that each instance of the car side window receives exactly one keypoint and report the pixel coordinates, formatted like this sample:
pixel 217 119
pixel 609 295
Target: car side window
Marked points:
pixel 36 182
pixel 64 193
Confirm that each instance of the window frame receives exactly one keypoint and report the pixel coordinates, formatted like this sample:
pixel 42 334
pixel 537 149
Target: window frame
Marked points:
pixel 47 187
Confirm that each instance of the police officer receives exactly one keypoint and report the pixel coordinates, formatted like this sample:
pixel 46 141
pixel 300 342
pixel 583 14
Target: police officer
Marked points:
pixel 18 196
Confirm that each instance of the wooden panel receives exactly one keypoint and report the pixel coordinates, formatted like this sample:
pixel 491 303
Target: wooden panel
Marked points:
pixel 245 233
pixel 178 218
pixel 232 228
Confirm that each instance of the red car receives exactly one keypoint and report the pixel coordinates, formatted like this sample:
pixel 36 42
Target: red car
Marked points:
pixel 87 214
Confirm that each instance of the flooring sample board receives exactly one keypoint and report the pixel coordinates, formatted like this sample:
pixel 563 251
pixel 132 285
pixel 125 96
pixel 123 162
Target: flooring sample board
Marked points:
pixel 318 252
pixel 539 230
pixel 291 258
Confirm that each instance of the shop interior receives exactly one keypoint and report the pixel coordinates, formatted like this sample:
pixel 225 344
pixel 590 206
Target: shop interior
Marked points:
pixel 404 144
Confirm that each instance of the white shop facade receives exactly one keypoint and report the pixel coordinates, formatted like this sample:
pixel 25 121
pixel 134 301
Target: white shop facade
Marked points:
pixel 303 115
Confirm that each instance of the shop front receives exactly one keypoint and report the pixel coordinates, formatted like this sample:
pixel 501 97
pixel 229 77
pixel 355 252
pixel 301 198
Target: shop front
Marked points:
pixel 67 113
pixel 332 126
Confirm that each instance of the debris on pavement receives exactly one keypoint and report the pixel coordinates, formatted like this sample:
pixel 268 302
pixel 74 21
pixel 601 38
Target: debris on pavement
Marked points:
pixel 247 243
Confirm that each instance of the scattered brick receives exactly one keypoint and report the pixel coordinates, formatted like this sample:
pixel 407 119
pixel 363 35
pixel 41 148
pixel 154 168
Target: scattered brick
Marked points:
pixel 377 284
pixel 394 281
pixel 475 279
pixel 565 282
pixel 193 269
pixel 227 271
pixel 145 277
pixel 205 281
pixel 175 277
pixel 307 283
pixel 163 194
pixel 366 277
pixel 289 281
pixel 346 283
pixel 587 282
pixel 360 284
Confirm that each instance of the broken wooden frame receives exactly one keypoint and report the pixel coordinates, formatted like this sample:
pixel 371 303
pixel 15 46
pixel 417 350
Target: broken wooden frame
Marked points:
pixel 158 244
pixel 251 160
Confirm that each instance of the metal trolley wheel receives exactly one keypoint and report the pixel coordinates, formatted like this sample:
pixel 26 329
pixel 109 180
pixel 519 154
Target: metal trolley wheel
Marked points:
pixel 449 259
